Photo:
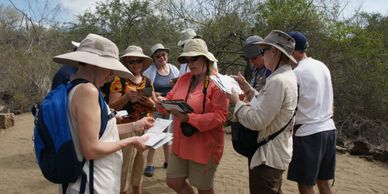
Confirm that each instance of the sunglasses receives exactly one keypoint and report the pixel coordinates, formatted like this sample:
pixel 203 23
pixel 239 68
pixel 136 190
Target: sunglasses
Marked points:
pixel 134 62
pixel 265 49
pixel 161 55
pixel 192 59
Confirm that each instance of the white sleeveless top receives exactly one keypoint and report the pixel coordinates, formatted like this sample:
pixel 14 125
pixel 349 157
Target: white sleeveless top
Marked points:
pixel 107 170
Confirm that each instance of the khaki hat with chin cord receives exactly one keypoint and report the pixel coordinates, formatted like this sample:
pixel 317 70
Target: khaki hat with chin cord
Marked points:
pixel 135 51
pixel 195 47
pixel 282 41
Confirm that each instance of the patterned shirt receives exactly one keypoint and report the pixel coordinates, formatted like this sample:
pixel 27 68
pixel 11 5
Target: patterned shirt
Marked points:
pixel 135 110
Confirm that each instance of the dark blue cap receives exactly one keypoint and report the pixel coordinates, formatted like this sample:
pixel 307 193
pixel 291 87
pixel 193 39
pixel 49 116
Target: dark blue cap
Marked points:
pixel 300 40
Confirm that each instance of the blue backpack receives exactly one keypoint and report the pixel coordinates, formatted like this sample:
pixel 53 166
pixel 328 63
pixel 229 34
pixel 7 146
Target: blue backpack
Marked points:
pixel 54 147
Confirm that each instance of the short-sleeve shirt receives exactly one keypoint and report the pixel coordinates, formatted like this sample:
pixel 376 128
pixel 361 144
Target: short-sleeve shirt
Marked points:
pixel 135 110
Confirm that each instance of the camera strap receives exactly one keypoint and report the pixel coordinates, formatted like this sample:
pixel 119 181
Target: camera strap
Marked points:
pixel 205 86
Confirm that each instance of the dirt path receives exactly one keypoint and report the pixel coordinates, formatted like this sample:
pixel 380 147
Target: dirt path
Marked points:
pixel 20 174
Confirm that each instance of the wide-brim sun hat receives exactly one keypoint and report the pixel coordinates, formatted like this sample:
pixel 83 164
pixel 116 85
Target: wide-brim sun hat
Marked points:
pixel 135 51
pixel 186 35
pixel 97 51
pixel 282 41
pixel 195 47
pixel 157 47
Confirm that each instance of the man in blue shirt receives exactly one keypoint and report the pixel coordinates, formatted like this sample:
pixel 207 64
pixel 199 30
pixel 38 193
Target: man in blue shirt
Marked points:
pixel 253 54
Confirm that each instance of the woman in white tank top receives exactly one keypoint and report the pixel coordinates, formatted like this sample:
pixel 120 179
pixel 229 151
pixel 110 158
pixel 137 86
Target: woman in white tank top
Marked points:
pixel 97 62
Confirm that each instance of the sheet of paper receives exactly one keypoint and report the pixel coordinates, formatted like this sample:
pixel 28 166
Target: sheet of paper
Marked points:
pixel 226 83
pixel 154 138
pixel 122 113
pixel 159 125
pixel 163 141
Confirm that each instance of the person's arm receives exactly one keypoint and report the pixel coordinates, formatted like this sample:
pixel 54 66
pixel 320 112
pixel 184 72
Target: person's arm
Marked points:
pixel 86 109
pixel 248 90
pixel 139 125
pixel 268 105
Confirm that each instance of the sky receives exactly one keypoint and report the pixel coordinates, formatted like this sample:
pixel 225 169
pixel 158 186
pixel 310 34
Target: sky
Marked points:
pixel 71 8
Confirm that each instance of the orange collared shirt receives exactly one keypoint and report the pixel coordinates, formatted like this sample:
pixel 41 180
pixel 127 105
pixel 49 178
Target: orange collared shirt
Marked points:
pixel 208 143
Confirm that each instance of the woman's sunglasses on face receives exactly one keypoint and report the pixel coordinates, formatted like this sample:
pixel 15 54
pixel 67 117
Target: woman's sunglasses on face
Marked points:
pixel 192 59
pixel 134 62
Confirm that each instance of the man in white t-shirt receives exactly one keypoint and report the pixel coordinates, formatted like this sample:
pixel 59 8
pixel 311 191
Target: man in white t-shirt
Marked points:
pixel 314 155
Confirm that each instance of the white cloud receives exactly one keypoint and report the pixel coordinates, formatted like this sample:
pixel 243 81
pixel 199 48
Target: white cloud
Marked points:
pixel 76 7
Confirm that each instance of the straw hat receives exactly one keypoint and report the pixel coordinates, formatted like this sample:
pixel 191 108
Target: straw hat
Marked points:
pixel 282 41
pixel 135 51
pixel 186 35
pixel 195 47
pixel 98 51
pixel 157 47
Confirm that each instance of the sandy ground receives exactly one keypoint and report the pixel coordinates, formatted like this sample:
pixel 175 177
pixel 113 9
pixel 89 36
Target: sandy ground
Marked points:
pixel 19 172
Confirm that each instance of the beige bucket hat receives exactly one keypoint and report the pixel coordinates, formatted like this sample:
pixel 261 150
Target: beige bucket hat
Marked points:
pixel 98 51
pixel 157 47
pixel 136 51
pixel 186 35
pixel 196 47
pixel 282 41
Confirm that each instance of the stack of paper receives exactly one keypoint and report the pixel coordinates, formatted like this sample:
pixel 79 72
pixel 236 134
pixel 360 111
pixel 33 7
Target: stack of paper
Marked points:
pixel 156 135
pixel 226 83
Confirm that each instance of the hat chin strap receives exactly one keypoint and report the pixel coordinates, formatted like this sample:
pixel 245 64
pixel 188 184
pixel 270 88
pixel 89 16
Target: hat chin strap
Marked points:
pixel 94 76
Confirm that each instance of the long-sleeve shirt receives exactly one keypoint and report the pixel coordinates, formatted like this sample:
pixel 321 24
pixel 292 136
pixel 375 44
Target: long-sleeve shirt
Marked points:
pixel 270 110
pixel 208 143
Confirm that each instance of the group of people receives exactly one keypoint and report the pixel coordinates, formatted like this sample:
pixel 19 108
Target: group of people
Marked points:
pixel 287 88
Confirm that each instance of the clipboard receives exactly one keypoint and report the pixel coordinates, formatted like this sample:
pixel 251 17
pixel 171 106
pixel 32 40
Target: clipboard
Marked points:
pixel 179 105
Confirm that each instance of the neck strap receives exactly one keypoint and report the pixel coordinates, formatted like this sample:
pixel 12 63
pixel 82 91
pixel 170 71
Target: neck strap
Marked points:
pixel 204 91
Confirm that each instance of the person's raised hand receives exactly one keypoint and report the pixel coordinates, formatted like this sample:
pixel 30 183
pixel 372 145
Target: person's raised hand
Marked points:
pixel 234 97
pixel 242 82
pixel 132 95
pixel 144 123
pixel 138 142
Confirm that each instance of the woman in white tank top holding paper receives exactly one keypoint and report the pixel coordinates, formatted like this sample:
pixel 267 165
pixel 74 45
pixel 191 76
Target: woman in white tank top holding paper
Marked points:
pixel 97 61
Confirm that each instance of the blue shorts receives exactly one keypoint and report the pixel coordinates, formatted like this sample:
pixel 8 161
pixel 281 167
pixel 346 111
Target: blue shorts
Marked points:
pixel 313 158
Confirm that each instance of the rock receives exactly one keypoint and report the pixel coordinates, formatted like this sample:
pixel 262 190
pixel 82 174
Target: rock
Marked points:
pixel 7 120
pixel 341 150
pixel 360 147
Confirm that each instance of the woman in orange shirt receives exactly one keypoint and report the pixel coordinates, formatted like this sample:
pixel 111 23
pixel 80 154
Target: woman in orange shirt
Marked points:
pixel 198 137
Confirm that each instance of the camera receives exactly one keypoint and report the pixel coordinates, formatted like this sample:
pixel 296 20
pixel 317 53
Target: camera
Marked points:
pixel 187 129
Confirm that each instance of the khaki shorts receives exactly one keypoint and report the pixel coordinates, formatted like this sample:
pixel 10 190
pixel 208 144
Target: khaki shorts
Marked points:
pixel 133 165
pixel 200 176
